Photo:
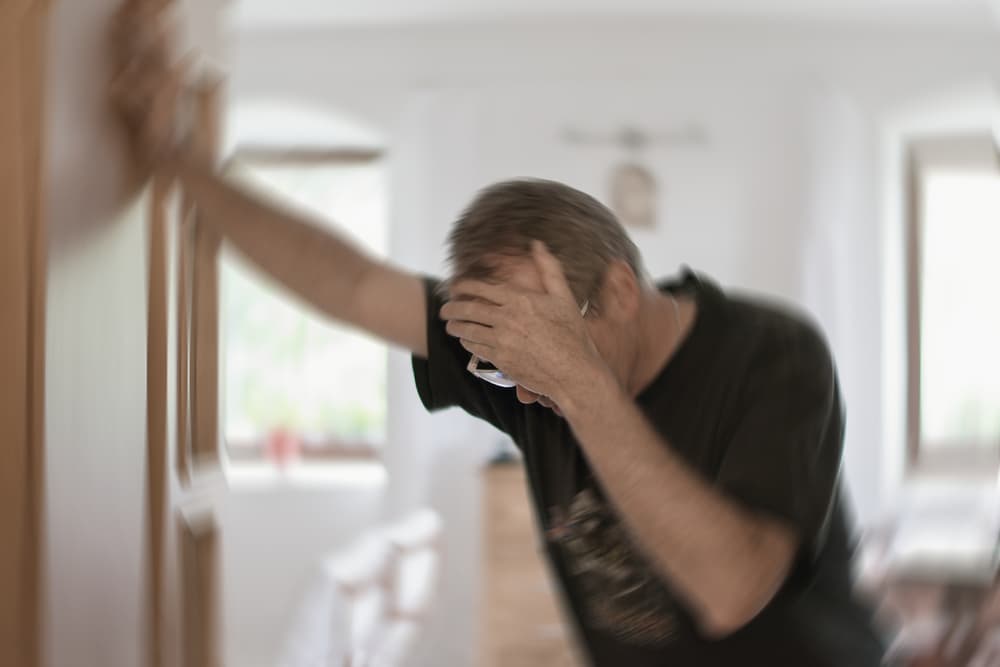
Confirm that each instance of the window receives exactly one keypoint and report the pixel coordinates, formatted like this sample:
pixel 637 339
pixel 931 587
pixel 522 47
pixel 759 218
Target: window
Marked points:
pixel 953 258
pixel 290 374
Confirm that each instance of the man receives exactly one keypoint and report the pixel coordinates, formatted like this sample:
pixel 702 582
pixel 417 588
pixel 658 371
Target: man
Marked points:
pixel 683 446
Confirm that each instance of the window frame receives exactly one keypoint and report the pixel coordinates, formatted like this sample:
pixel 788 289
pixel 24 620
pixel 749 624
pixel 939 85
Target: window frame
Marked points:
pixel 327 449
pixel 923 153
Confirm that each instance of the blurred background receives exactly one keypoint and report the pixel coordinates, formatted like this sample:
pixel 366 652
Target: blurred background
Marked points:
pixel 837 154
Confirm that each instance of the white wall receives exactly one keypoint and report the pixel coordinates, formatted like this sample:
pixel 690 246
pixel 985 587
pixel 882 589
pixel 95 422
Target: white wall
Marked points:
pixel 785 198
pixel 95 400
pixel 840 259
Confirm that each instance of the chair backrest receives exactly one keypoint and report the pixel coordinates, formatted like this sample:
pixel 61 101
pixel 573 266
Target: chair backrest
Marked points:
pixel 367 605
pixel 344 609
pixel 415 540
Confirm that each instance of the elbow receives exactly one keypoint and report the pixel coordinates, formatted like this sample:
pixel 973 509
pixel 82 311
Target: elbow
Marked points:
pixel 727 618
pixel 730 611
pixel 748 592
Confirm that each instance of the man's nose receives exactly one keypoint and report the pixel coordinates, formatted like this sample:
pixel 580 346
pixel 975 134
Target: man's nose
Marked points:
pixel 526 396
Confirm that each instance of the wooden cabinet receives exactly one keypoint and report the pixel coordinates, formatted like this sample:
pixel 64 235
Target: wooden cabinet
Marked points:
pixel 521 624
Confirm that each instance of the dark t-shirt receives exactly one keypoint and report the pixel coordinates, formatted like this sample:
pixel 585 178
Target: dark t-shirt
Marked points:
pixel 750 401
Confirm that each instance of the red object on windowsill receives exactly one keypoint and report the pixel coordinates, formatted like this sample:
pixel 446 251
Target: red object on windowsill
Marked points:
pixel 282 447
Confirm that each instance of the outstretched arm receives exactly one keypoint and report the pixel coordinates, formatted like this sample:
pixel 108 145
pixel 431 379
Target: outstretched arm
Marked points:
pixel 312 261
pixel 315 263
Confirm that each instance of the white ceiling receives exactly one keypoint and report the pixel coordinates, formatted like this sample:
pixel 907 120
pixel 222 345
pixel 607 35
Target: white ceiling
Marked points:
pixel 276 13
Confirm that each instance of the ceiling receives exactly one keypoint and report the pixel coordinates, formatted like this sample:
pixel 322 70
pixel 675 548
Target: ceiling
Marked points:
pixel 292 13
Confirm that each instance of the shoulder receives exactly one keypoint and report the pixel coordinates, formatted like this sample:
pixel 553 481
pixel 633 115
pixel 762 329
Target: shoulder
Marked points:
pixel 776 323
pixel 749 331
pixel 790 359
pixel 775 335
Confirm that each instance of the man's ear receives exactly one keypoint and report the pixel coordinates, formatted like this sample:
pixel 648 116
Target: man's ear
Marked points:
pixel 621 291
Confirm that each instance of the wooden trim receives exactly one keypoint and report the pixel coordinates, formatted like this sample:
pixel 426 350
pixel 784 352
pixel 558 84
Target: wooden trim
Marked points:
pixel 185 281
pixel 199 557
pixel 36 21
pixel 13 12
pixel 204 405
pixel 954 150
pixel 23 255
pixel 190 256
pixel 157 355
pixel 263 155
pixel 158 389
pixel 204 350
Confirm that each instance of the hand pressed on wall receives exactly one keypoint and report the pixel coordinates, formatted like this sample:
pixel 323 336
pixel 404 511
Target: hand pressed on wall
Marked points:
pixel 147 81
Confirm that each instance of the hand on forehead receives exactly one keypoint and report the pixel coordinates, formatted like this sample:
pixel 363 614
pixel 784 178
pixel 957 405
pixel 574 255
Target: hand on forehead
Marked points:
pixel 537 273
pixel 480 290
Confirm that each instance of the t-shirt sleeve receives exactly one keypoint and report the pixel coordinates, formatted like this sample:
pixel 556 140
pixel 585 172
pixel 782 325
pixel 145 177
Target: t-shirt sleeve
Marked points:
pixel 784 457
pixel 443 381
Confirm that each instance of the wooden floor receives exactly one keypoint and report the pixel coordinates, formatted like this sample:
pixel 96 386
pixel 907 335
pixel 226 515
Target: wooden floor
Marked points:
pixel 522 626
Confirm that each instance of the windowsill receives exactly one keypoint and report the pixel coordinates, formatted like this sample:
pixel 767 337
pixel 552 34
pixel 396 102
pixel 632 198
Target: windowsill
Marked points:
pixel 263 475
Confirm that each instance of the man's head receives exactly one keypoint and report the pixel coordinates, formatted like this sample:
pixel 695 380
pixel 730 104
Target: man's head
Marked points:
pixel 503 220
pixel 492 241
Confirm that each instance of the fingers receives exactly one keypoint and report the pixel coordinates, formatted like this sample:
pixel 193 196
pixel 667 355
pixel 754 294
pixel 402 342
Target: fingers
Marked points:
pixel 147 86
pixel 142 36
pixel 470 322
pixel 470 311
pixel 140 76
pixel 147 98
pixel 553 278
pixel 140 27
pixel 137 84
pixel 472 332
pixel 484 352
pixel 478 289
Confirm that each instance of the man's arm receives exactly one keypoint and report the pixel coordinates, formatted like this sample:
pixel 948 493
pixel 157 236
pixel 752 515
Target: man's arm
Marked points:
pixel 321 267
pixel 313 262
pixel 727 562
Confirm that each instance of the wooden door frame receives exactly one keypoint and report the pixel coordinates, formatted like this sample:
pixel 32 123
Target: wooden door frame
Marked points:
pixel 182 284
pixel 23 259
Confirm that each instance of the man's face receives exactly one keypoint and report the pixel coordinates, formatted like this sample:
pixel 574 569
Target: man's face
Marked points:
pixel 521 273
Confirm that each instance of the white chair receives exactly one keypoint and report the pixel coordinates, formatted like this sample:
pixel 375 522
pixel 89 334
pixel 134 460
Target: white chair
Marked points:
pixel 343 611
pixel 367 606
pixel 411 585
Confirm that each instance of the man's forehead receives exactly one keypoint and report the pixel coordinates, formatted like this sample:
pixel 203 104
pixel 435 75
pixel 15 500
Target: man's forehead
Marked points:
pixel 519 272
